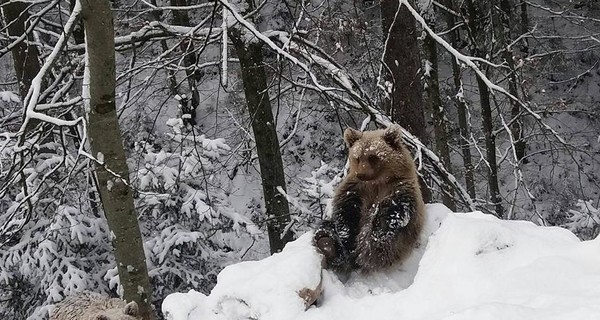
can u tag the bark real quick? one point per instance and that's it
(181, 18)
(78, 32)
(256, 92)
(171, 79)
(25, 54)
(461, 107)
(490, 145)
(476, 31)
(105, 139)
(439, 117)
(515, 111)
(524, 28)
(402, 63)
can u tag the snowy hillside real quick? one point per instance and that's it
(468, 266)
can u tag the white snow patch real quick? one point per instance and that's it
(468, 266)
(265, 289)
(9, 96)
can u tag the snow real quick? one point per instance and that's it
(467, 266)
(9, 96)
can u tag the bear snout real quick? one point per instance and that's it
(365, 176)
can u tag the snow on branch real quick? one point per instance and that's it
(250, 27)
(347, 85)
(470, 62)
(155, 30)
(224, 55)
(346, 82)
(38, 17)
(180, 8)
(30, 102)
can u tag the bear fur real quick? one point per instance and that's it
(377, 210)
(94, 306)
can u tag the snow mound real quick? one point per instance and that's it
(467, 266)
(265, 289)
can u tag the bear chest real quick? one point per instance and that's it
(371, 195)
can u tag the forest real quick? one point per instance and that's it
(147, 144)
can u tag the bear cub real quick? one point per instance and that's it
(377, 210)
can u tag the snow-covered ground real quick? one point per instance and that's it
(468, 266)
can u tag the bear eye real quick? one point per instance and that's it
(372, 158)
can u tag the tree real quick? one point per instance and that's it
(477, 32)
(503, 32)
(459, 101)
(112, 171)
(25, 53)
(256, 92)
(401, 65)
(181, 18)
(438, 113)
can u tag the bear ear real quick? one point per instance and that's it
(393, 136)
(131, 309)
(351, 136)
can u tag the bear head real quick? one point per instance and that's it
(379, 156)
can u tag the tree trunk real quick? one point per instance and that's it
(25, 54)
(524, 28)
(490, 145)
(401, 69)
(476, 30)
(438, 116)
(461, 107)
(256, 91)
(402, 62)
(171, 78)
(181, 18)
(515, 111)
(106, 143)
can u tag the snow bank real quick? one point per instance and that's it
(468, 266)
(265, 289)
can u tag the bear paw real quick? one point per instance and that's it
(389, 218)
(324, 241)
(326, 246)
(328, 243)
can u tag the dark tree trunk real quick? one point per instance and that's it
(490, 145)
(524, 28)
(171, 79)
(439, 117)
(476, 33)
(401, 69)
(461, 107)
(25, 54)
(256, 92)
(181, 18)
(105, 140)
(515, 111)
(402, 63)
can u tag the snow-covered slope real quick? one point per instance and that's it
(468, 266)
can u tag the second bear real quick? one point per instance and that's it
(377, 210)
(94, 306)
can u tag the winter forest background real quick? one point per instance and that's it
(231, 115)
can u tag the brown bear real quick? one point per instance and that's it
(377, 210)
(94, 306)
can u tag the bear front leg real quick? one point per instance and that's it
(391, 216)
(336, 239)
(388, 235)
